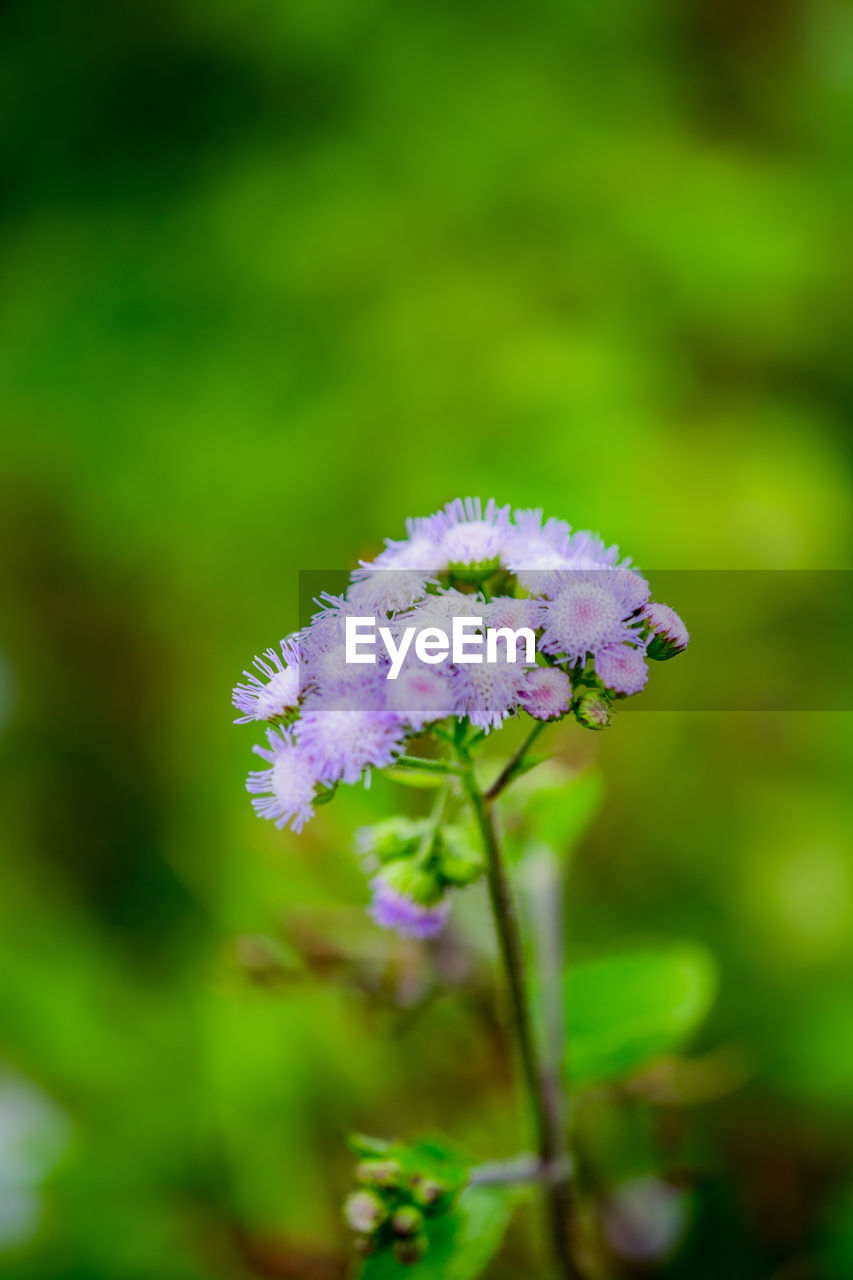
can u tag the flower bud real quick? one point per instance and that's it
(426, 1191)
(407, 879)
(407, 1221)
(409, 1251)
(364, 1212)
(667, 633)
(592, 709)
(379, 1173)
(459, 871)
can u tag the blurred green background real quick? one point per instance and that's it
(273, 278)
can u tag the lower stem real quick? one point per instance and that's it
(544, 1088)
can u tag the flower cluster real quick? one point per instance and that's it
(400, 1191)
(416, 862)
(330, 721)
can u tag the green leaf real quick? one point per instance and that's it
(462, 1242)
(625, 1010)
(366, 1147)
(560, 817)
(555, 806)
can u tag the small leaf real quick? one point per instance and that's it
(625, 1010)
(461, 1242)
(362, 1145)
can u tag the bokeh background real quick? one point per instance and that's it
(273, 278)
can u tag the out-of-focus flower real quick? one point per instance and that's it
(392, 910)
(364, 1212)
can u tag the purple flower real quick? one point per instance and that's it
(342, 740)
(621, 668)
(284, 793)
(631, 587)
(381, 590)
(487, 692)
(440, 610)
(669, 635)
(510, 611)
(418, 550)
(421, 695)
(474, 533)
(534, 546)
(393, 910)
(586, 612)
(546, 693)
(279, 693)
(587, 550)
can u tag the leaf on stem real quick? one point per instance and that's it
(627, 1009)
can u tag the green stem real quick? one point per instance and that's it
(428, 766)
(510, 769)
(543, 1087)
(424, 850)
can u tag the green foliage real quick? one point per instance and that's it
(625, 1010)
(554, 807)
(274, 278)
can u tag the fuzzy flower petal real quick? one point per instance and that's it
(421, 695)
(586, 613)
(284, 793)
(546, 693)
(621, 668)
(377, 590)
(474, 533)
(342, 741)
(275, 695)
(488, 692)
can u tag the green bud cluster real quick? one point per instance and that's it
(422, 861)
(391, 1206)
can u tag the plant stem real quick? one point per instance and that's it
(544, 1088)
(427, 765)
(508, 772)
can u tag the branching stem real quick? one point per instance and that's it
(543, 1086)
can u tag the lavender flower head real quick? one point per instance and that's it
(277, 694)
(573, 626)
(284, 792)
(393, 910)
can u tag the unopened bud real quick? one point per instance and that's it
(459, 871)
(410, 1251)
(364, 1212)
(592, 709)
(426, 1191)
(378, 1173)
(413, 882)
(668, 634)
(407, 1221)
